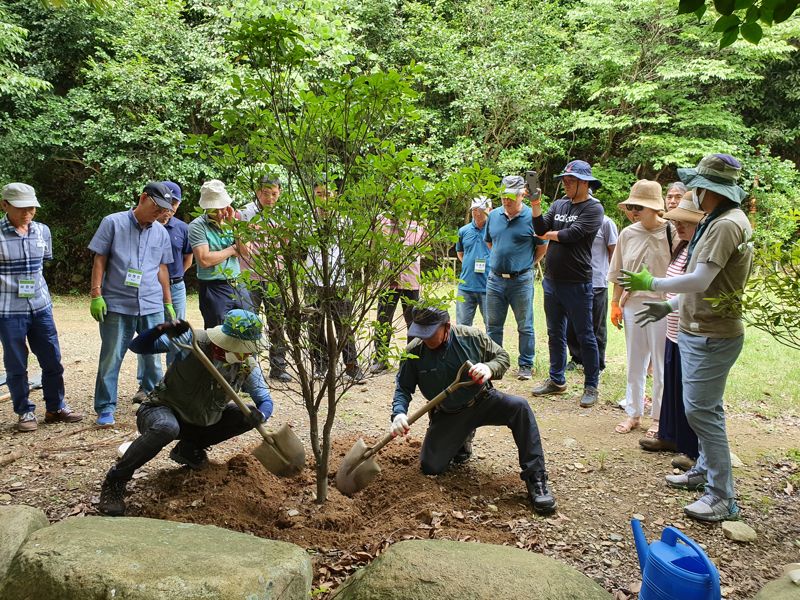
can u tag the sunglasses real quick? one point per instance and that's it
(632, 207)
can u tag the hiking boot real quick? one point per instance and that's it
(281, 375)
(657, 445)
(63, 415)
(355, 375)
(465, 452)
(105, 420)
(190, 455)
(524, 373)
(590, 396)
(27, 422)
(712, 508)
(139, 397)
(378, 367)
(549, 387)
(682, 462)
(539, 494)
(690, 480)
(112, 497)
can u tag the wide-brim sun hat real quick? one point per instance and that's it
(20, 195)
(582, 170)
(685, 211)
(645, 193)
(240, 332)
(718, 173)
(213, 195)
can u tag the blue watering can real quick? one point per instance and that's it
(672, 570)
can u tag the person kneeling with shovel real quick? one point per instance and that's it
(441, 349)
(188, 404)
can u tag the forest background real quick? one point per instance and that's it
(95, 102)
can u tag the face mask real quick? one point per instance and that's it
(698, 202)
(231, 358)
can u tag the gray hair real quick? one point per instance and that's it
(679, 185)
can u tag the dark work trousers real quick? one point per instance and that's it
(275, 310)
(341, 310)
(600, 324)
(447, 432)
(672, 425)
(387, 304)
(217, 297)
(159, 426)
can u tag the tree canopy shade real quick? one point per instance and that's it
(741, 17)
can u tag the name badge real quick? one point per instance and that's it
(480, 265)
(27, 288)
(133, 278)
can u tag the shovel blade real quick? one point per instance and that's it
(350, 480)
(286, 457)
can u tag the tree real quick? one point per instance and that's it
(328, 251)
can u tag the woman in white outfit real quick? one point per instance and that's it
(648, 241)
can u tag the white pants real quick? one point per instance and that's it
(644, 345)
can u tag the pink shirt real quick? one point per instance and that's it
(414, 234)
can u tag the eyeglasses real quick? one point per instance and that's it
(632, 207)
(160, 208)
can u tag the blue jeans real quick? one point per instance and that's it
(518, 294)
(565, 300)
(706, 363)
(40, 331)
(116, 332)
(178, 292)
(465, 311)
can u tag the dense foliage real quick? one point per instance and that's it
(97, 101)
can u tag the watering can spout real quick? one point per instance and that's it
(641, 543)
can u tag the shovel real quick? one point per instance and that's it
(359, 468)
(281, 452)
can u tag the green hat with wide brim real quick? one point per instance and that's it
(718, 173)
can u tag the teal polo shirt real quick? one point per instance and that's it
(471, 243)
(513, 240)
(205, 232)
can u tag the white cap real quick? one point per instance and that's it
(214, 195)
(20, 195)
(482, 202)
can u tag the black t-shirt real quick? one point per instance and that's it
(570, 258)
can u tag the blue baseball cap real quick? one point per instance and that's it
(174, 188)
(581, 170)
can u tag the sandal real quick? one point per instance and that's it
(627, 425)
(652, 432)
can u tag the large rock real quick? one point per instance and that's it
(95, 558)
(421, 570)
(780, 589)
(16, 524)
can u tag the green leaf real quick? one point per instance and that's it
(729, 37)
(726, 22)
(784, 10)
(700, 12)
(724, 7)
(689, 6)
(742, 4)
(752, 32)
(752, 14)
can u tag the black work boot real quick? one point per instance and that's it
(539, 494)
(112, 497)
(465, 452)
(185, 453)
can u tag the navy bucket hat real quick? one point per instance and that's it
(583, 171)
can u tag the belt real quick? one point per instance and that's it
(483, 393)
(174, 280)
(512, 275)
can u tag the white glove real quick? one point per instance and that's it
(652, 312)
(400, 425)
(481, 373)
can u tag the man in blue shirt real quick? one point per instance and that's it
(26, 311)
(474, 256)
(515, 250)
(130, 289)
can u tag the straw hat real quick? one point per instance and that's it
(685, 211)
(645, 193)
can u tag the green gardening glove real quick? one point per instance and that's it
(170, 311)
(637, 282)
(98, 309)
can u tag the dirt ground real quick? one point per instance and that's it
(600, 481)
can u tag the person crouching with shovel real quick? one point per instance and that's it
(189, 404)
(441, 349)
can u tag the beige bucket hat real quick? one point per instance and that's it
(645, 193)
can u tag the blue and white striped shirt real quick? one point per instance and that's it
(22, 258)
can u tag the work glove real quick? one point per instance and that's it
(169, 311)
(175, 328)
(256, 417)
(480, 373)
(400, 425)
(637, 282)
(616, 315)
(652, 312)
(98, 309)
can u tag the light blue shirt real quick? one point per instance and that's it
(606, 236)
(22, 259)
(127, 245)
(471, 243)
